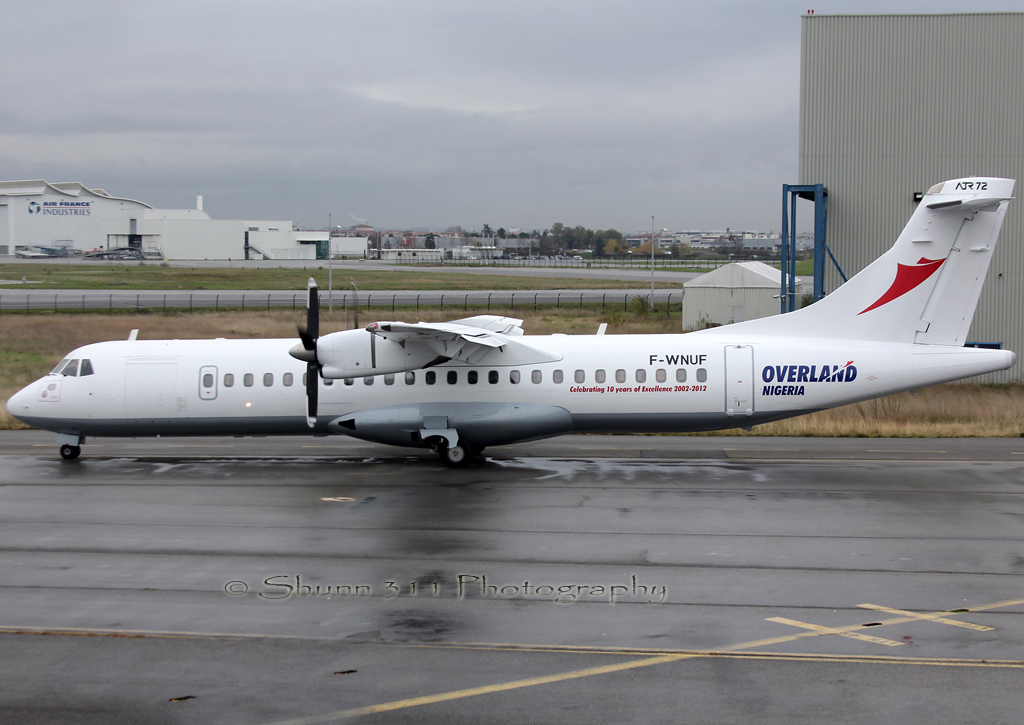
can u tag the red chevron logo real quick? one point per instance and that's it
(908, 277)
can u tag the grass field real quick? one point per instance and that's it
(30, 345)
(154, 276)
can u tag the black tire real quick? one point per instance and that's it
(456, 456)
(69, 452)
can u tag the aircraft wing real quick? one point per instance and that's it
(482, 340)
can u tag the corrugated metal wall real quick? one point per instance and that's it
(725, 305)
(892, 104)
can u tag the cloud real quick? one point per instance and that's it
(414, 114)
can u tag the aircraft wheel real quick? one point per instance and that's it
(69, 452)
(456, 457)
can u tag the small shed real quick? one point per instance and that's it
(732, 293)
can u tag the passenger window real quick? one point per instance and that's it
(348, 381)
(641, 375)
(247, 380)
(680, 375)
(492, 377)
(410, 378)
(208, 380)
(303, 379)
(536, 376)
(71, 369)
(702, 375)
(86, 368)
(453, 377)
(389, 379)
(229, 380)
(513, 377)
(660, 375)
(368, 380)
(556, 376)
(579, 376)
(599, 376)
(329, 383)
(620, 376)
(287, 379)
(472, 377)
(268, 379)
(431, 377)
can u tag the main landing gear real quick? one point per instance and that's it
(459, 455)
(69, 452)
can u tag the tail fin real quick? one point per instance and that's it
(925, 288)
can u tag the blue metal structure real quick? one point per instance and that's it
(819, 195)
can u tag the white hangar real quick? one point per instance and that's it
(38, 214)
(732, 293)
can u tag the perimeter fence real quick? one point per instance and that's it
(195, 301)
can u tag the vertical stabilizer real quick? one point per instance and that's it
(925, 288)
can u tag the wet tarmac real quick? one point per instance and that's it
(597, 578)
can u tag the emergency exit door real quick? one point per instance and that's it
(739, 380)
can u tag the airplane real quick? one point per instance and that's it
(460, 386)
(41, 252)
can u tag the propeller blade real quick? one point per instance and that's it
(308, 341)
(312, 391)
(312, 313)
(309, 336)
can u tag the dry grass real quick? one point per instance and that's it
(955, 410)
(30, 345)
(117, 276)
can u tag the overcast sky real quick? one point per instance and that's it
(418, 113)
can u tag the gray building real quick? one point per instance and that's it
(892, 104)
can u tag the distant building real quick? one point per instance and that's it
(732, 293)
(38, 214)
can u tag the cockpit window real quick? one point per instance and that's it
(86, 368)
(70, 368)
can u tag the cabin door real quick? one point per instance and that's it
(739, 380)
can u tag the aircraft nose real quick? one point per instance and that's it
(20, 403)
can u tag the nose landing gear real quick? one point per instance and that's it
(70, 445)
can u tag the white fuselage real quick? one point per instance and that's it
(697, 381)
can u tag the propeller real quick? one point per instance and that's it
(306, 351)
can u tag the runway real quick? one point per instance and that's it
(594, 578)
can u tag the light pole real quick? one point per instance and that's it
(355, 306)
(330, 269)
(663, 229)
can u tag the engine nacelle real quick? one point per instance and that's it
(357, 353)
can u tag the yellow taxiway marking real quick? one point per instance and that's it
(831, 630)
(486, 689)
(654, 658)
(694, 654)
(816, 631)
(884, 450)
(760, 449)
(935, 617)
